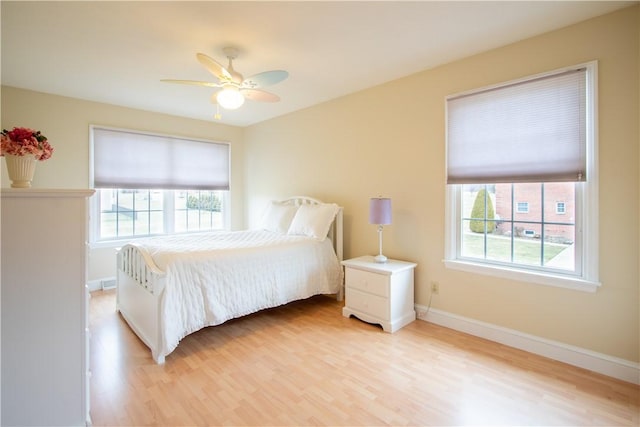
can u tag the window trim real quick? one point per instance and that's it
(586, 219)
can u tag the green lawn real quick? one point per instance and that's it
(525, 250)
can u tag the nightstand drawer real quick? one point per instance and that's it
(371, 304)
(368, 282)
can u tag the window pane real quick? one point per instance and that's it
(181, 199)
(206, 221)
(498, 246)
(156, 212)
(468, 196)
(141, 223)
(478, 202)
(559, 247)
(193, 219)
(141, 198)
(125, 224)
(180, 221)
(109, 224)
(560, 234)
(125, 200)
(559, 202)
(198, 210)
(156, 223)
(218, 221)
(527, 247)
(528, 202)
(156, 201)
(519, 242)
(503, 201)
(472, 244)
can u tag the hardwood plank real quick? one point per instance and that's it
(306, 364)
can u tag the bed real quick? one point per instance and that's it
(171, 286)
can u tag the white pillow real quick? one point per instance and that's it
(278, 217)
(314, 220)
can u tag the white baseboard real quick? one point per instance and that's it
(102, 284)
(94, 285)
(601, 363)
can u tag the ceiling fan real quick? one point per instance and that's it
(232, 88)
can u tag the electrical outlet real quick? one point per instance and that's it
(435, 287)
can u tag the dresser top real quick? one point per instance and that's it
(367, 263)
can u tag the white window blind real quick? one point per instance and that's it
(528, 131)
(126, 159)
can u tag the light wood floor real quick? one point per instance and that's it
(305, 364)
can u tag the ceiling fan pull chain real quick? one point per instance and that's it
(217, 115)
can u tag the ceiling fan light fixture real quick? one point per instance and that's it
(230, 98)
(231, 88)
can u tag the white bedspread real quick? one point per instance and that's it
(217, 276)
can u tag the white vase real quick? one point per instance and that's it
(20, 169)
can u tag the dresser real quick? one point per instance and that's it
(44, 317)
(379, 293)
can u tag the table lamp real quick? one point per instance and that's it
(380, 214)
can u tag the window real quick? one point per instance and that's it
(561, 208)
(522, 207)
(125, 213)
(522, 180)
(527, 237)
(155, 184)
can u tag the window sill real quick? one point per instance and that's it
(546, 279)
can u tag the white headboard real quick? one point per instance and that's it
(335, 232)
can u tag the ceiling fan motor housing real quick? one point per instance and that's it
(232, 53)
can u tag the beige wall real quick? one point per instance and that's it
(65, 122)
(390, 140)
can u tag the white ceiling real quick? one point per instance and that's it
(117, 52)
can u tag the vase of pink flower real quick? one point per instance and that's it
(21, 148)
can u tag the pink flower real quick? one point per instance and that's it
(23, 142)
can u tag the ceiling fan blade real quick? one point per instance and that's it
(192, 82)
(265, 78)
(259, 95)
(213, 66)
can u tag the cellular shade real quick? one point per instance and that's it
(530, 131)
(124, 159)
(380, 211)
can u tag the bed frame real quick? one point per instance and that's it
(140, 284)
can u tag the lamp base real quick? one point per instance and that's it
(380, 258)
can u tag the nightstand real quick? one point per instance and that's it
(379, 293)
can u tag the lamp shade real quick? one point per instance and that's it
(230, 98)
(380, 211)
